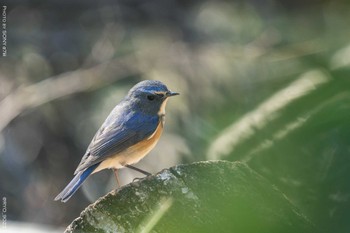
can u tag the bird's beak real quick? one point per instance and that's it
(170, 93)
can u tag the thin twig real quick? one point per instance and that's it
(55, 87)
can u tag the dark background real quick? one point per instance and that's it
(265, 82)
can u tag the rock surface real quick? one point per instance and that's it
(213, 196)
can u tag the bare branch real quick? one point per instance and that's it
(62, 85)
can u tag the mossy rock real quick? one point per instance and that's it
(212, 196)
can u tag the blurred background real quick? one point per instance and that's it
(263, 82)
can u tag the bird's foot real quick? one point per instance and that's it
(136, 179)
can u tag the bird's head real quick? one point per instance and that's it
(150, 96)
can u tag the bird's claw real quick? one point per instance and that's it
(136, 179)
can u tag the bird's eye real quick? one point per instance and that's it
(150, 97)
(161, 95)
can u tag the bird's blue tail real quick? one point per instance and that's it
(75, 183)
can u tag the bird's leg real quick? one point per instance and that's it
(116, 176)
(138, 169)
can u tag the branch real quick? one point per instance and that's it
(62, 85)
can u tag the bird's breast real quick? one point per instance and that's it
(134, 153)
(142, 148)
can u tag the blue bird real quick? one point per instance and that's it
(128, 134)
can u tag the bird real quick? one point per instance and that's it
(128, 134)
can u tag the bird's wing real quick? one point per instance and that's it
(117, 135)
